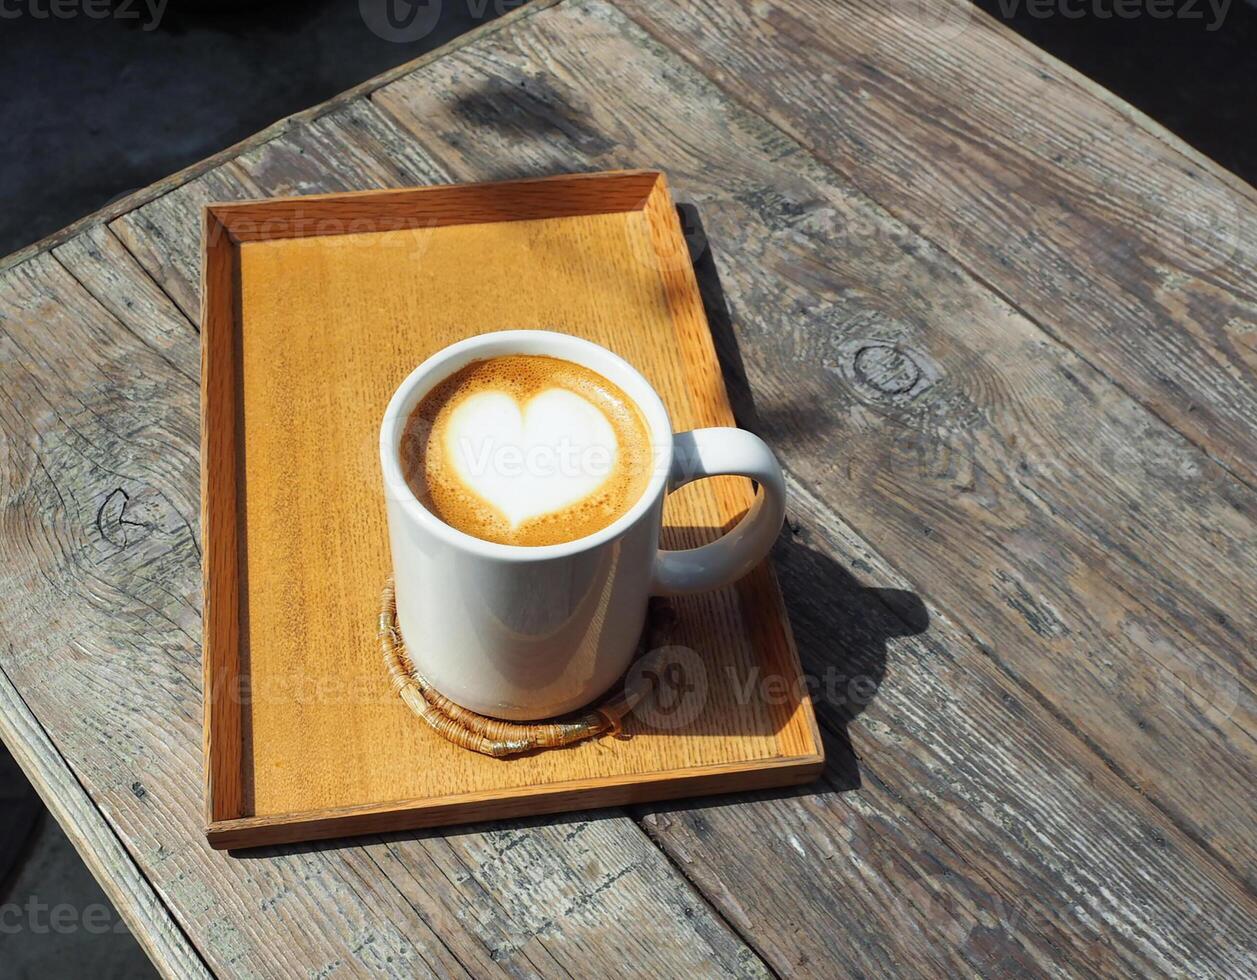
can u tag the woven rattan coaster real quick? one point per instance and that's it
(492, 736)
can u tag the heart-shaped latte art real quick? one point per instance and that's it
(532, 460)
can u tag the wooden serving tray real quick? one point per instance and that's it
(314, 309)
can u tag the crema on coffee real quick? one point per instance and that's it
(526, 450)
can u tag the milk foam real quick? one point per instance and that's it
(532, 459)
(526, 450)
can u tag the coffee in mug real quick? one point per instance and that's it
(526, 600)
(526, 450)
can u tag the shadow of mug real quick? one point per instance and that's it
(842, 628)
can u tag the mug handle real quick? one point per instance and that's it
(723, 452)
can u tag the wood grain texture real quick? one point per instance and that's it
(907, 849)
(824, 285)
(1128, 250)
(351, 148)
(99, 440)
(987, 434)
(311, 158)
(160, 235)
(304, 344)
(1052, 777)
(111, 274)
(436, 808)
(223, 559)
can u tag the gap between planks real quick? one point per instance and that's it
(1089, 88)
(174, 307)
(1062, 341)
(147, 916)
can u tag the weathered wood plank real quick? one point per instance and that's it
(806, 284)
(130, 892)
(113, 276)
(165, 235)
(1130, 252)
(353, 148)
(113, 551)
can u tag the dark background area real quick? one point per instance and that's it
(93, 109)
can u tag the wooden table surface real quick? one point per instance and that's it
(1001, 329)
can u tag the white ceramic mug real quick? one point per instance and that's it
(531, 632)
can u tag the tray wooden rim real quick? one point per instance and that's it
(459, 808)
(225, 227)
